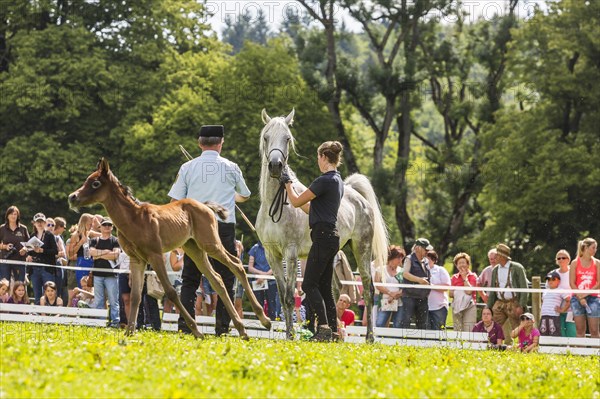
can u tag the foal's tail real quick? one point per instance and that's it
(380, 234)
(219, 209)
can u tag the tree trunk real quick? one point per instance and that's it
(333, 103)
(403, 220)
(3, 53)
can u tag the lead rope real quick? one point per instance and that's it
(276, 208)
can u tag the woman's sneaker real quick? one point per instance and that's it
(323, 334)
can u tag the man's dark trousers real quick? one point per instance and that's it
(191, 280)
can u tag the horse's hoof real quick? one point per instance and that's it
(197, 334)
(129, 332)
(245, 337)
(266, 323)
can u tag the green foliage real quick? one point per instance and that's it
(543, 194)
(91, 363)
(268, 77)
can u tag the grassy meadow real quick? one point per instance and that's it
(64, 361)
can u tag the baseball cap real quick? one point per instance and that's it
(39, 216)
(424, 242)
(106, 221)
(552, 274)
(527, 316)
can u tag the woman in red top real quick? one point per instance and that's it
(584, 275)
(464, 311)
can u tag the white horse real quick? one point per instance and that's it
(359, 220)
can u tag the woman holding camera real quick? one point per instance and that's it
(12, 233)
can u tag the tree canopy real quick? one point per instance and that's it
(473, 131)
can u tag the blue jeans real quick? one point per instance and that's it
(38, 278)
(270, 295)
(17, 271)
(593, 303)
(437, 318)
(384, 316)
(86, 263)
(111, 285)
(417, 307)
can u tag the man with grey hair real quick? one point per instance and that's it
(210, 177)
(485, 277)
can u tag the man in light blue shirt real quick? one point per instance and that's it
(210, 177)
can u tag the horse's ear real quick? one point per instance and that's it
(266, 118)
(290, 118)
(103, 167)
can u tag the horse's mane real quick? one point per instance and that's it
(126, 190)
(276, 127)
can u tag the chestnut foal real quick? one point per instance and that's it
(146, 231)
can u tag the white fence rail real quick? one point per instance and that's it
(354, 334)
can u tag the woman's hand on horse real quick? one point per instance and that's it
(284, 178)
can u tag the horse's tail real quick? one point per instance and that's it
(219, 209)
(380, 234)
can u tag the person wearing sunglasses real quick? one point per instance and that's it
(45, 254)
(567, 324)
(529, 336)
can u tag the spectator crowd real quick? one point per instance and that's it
(101, 281)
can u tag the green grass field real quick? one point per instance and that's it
(61, 361)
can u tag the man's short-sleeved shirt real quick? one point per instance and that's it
(328, 189)
(210, 177)
(260, 258)
(100, 243)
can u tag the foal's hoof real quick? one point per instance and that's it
(129, 331)
(198, 334)
(245, 337)
(266, 323)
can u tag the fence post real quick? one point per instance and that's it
(536, 299)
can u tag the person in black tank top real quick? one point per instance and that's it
(50, 297)
(321, 201)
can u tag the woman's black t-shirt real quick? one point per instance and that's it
(329, 189)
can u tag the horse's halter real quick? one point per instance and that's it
(268, 155)
(280, 199)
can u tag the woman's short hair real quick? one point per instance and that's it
(462, 255)
(433, 256)
(395, 251)
(488, 308)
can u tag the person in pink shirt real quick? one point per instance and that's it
(529, 336)
(464, 311)
(584, 274)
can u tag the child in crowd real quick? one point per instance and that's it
(84, 296)
(19, 294)
(553, 304)
(529, 336)
(4, 285)
(50, 297)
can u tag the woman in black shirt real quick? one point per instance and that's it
(12, 234)
(321, 201)
(45, 254)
